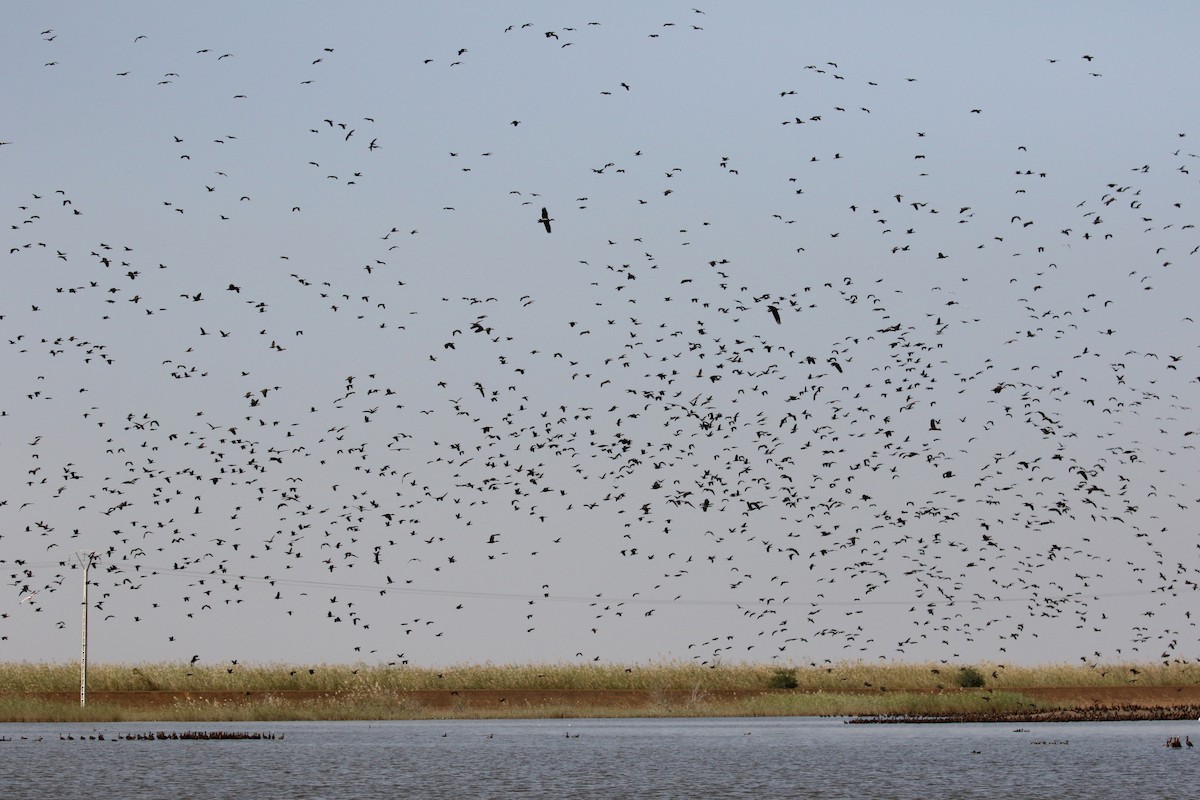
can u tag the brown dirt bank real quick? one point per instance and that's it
(1086, 704)
(1122, 714)
(1079, 703)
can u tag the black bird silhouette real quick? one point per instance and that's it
(546, 220)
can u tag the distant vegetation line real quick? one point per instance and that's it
(24, 677)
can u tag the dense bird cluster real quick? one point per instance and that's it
(867, 370)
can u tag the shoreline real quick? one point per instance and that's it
(1013, 705)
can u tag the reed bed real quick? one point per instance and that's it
(822, 704)
(264, 692)
(24, 677)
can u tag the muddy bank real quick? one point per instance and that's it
(1083, 704)
(1115, 714)
(1046, 704)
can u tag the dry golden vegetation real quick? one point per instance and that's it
(194, 692)
(841, 676)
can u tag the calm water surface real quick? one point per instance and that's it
(729, 757)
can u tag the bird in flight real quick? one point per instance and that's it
(545, 220)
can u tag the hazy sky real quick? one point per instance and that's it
(862, 331)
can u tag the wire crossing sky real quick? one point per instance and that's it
(568, 332)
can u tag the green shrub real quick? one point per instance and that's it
(970, 678)
(783, 679)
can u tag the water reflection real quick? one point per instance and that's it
(795, 757)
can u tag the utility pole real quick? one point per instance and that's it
(85, 558)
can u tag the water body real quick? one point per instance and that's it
(728, 757)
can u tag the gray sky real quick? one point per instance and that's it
(863, 331)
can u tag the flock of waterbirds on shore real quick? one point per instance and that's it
(824, 410)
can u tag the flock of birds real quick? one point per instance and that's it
(850, 405)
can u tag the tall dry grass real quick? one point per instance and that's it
(824, 704)
(670, 675)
